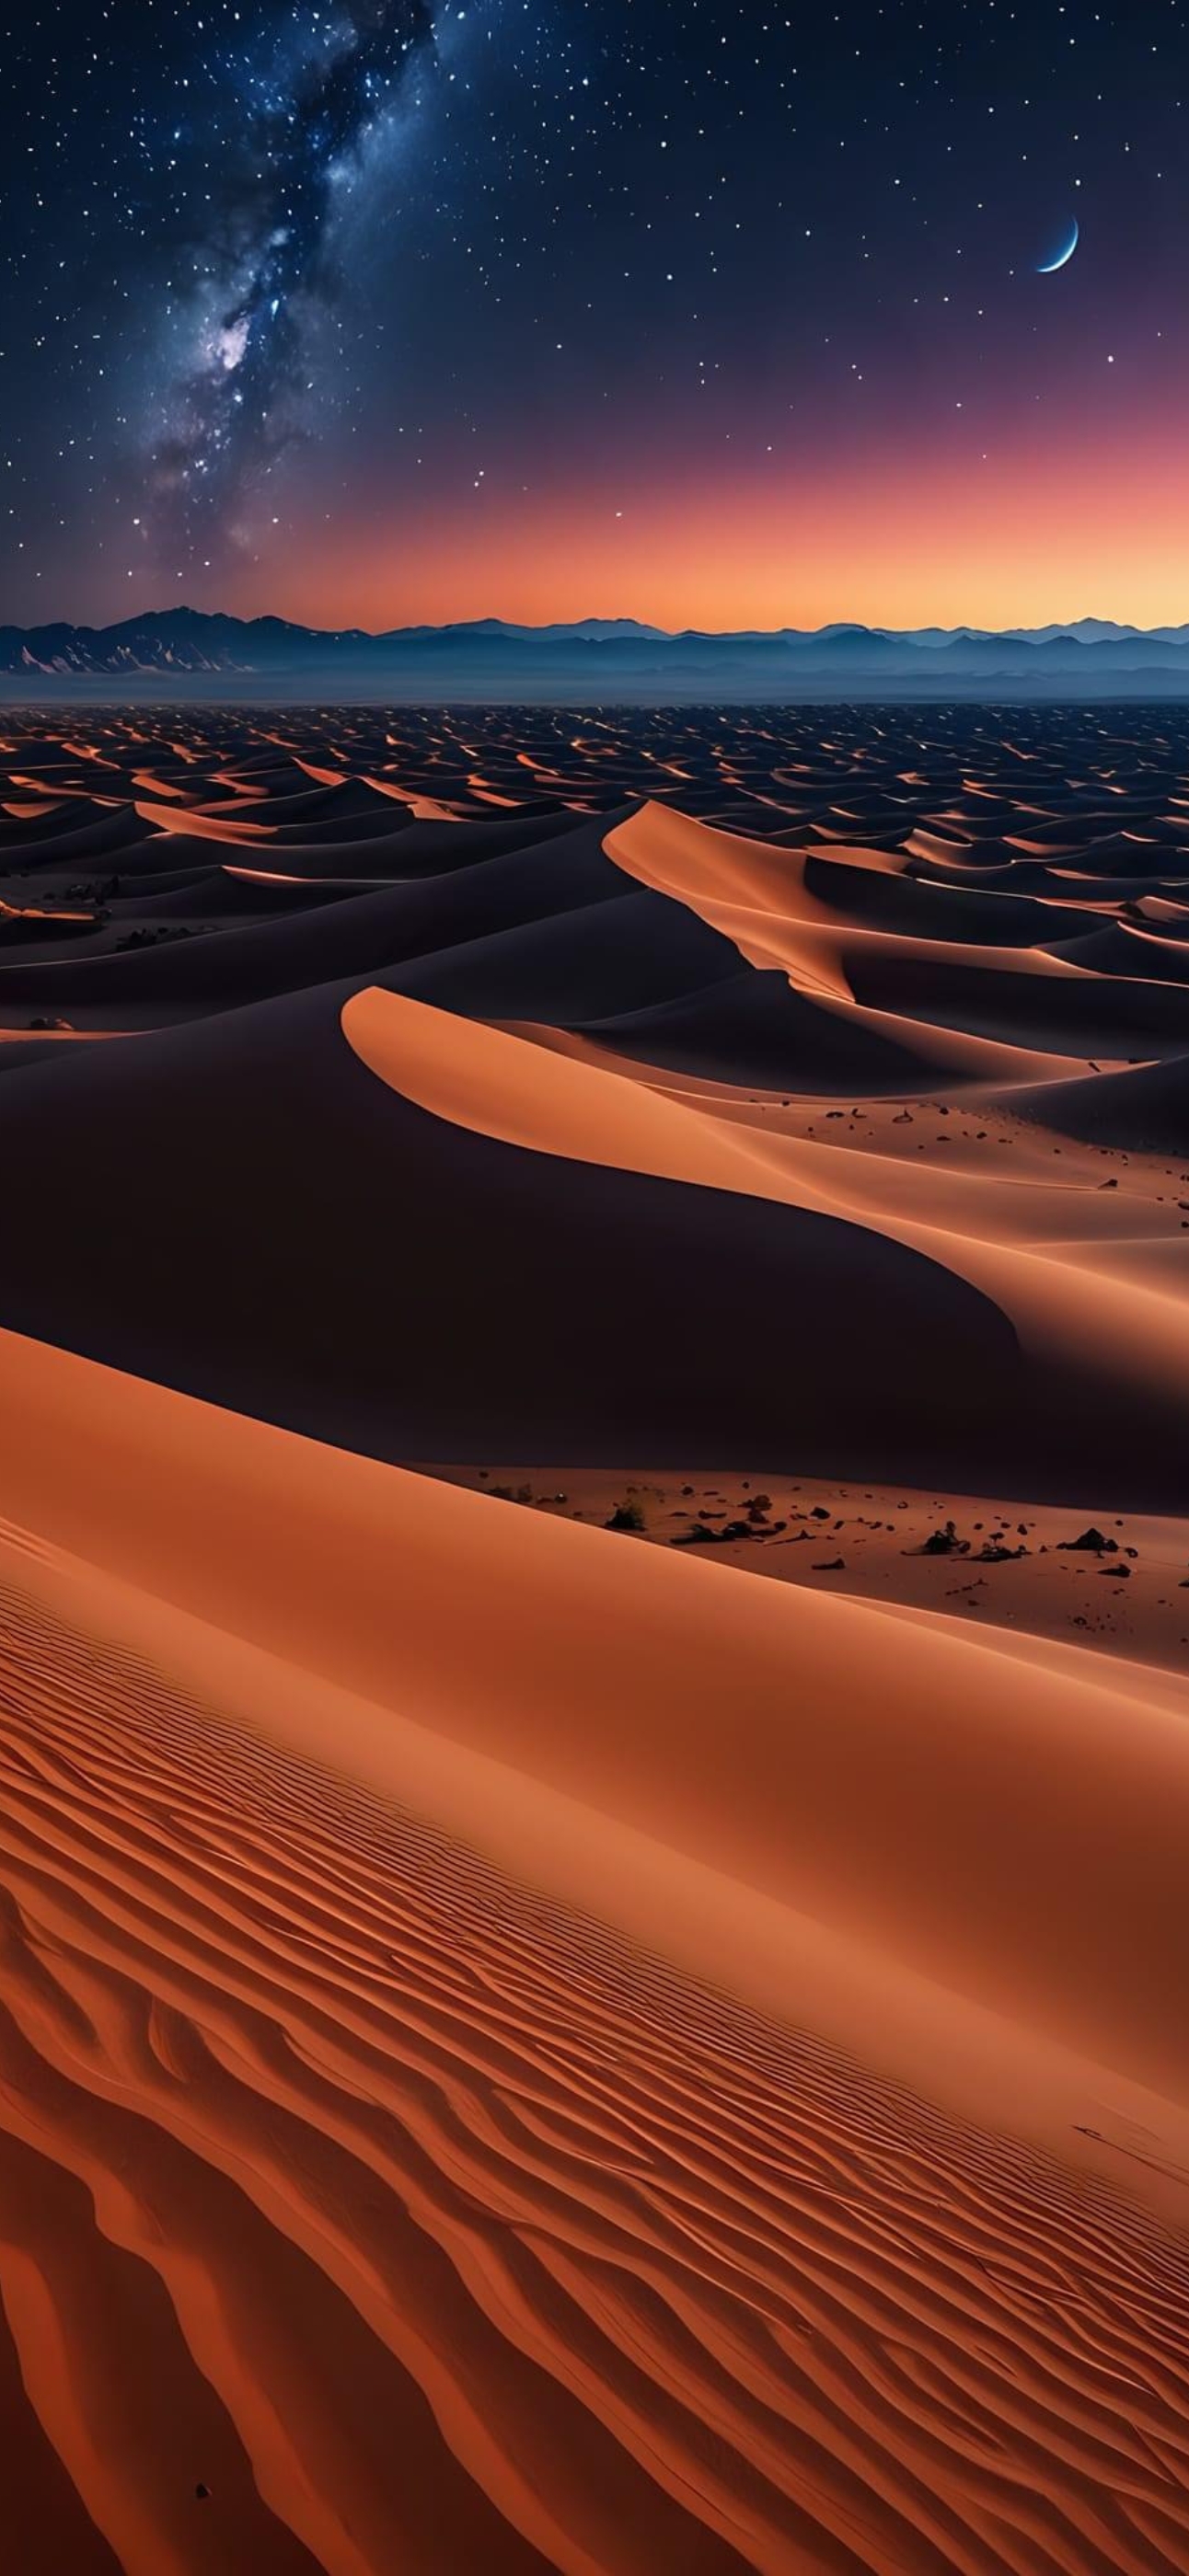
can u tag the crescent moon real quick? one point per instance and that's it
(1049, 267)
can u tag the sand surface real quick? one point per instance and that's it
(558, 2011)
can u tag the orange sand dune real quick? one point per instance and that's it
(435, 2226)
(91, 1461)
(1071, 1314)
(759, 900)
(223, 825)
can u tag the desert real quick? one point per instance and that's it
(594, 1611)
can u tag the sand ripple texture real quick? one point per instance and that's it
(359, 2211)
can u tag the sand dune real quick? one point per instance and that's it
(642, 2049)
(757, 902)
(669, 2238)
(1145, 1106)
(388, 1227)
(379, 927)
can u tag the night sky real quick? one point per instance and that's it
(706, 314)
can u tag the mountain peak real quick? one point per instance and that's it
(594, 658)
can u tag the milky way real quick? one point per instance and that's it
(707, 315)
(264, 270)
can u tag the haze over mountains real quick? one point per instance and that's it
(595, 659)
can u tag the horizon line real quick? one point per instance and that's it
(444, 625)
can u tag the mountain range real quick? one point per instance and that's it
(592, 660)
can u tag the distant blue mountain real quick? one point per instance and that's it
(592, 659)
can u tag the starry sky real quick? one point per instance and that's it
(697, 311)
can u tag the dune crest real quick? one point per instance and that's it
(1074, 1317)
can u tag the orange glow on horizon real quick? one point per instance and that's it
(1020, 539)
